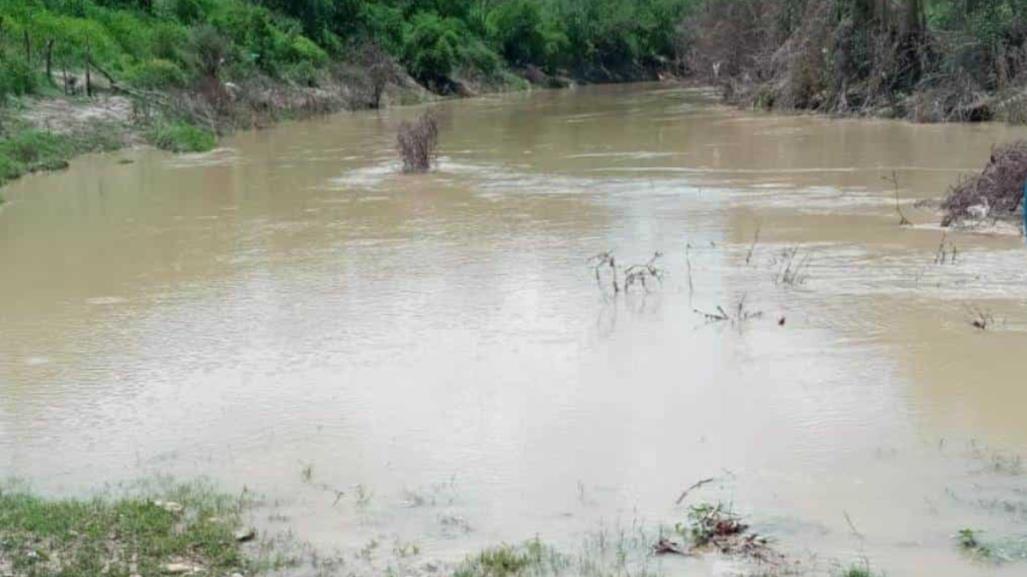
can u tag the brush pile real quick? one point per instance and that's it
(993, 194)
(416, 142)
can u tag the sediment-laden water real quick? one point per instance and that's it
(292, 315)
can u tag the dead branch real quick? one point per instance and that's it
(693, 487)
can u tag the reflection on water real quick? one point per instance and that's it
(290, 300)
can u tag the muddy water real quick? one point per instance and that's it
(436, 346)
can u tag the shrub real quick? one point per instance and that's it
(516, 28)
(17, 78)
(417, 141)
(481, 58)
(182, 137)
(431, 47)
(156, 74)
(303, 73)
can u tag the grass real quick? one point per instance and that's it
(970, 542)
(857, 570)
(24, 150)
(132, 535)
(531, 558)
(30, 150)
(182, 137)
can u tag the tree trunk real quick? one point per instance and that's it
(89, 80)
(49, 60)
(28, 47)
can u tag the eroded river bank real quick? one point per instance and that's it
(427, 360)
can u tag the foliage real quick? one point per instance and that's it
(77, 538)
(530, 558)
(182, 137)
(156, 74)
(431, 47)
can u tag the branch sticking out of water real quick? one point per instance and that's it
(601, 261)
(752, 247)
(638, 273)
(894, 179)
(739, 313)
(980, 319)
(792, 267)
(946, 251)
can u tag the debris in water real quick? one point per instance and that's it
(996, 192)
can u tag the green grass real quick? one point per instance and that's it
(120, 536)
(859, 569)
(531, 558)
(31, 150)
(182, 137)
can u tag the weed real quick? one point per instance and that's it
(182, 137)
(638, 273)
(530, 558)
(969, 541)
(858, 569)
(190, 526)
(980, 319)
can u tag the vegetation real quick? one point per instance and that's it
(927, 60)
(530, 558)
(182, 137)
(417, 141)
(190, 528)
(861, 569)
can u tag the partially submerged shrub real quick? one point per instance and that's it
(997, 191)
(417, 141)
(182, 137)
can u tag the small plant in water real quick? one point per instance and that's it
(858, 569)
(530, 558)
(417, 141)
(970, 542)
(792, 267)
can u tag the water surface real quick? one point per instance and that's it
(436, 347)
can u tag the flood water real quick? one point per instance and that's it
(437, 348)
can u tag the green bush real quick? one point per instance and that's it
(32, 150)
(182, 137)
(516, 29)
(481, 58)
(303, 73)
(17, 78)
(156, 74)
(431, 47)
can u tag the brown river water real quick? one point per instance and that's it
(436, 346)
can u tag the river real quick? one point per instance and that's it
(291, 314)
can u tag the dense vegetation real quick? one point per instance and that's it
(929, 60)
(218, 64)
(174, 44)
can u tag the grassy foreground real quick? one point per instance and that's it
(192, 528)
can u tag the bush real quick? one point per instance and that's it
(182, 137)
(17, 78)
(516, 29)
(481, 58)
(156, 74)
(417, 141)
(32, 150)
(431, 47)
